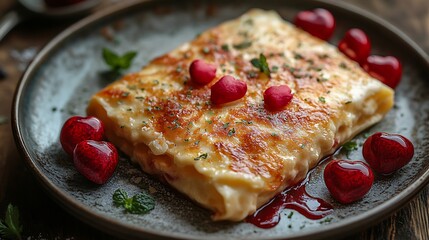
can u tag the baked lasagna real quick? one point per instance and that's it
(235, 157)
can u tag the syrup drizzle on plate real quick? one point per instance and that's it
(296, 198)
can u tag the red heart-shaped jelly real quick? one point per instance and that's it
(348, 181)
(386, 69)
(227, 89)
(387, 152)
(355, 45)
(95, 160)
(77, 129)
(202, 72)
(318, 22)
(277, 97)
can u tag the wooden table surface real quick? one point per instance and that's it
(44, 219)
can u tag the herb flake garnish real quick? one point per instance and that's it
(274, 69)
(117, 62)
(202, 156)
(231, 132)
(326, 220)
(349, 147)
(11, 228)
(261, 64)
(243, 45)
(322, 99)
(225, 47)
(141, 203)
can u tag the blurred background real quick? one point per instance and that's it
(44, 219)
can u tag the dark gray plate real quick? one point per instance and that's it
(67, 72)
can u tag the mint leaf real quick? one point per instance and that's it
(125, 61)
(117, 62)
(261, 64)
(141, 203)
(110, 57)
(256, 63)
(349, 147)
(11, 227)
(120, 197)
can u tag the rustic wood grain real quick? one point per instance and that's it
(44, 219)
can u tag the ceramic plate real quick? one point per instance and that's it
(70, 69)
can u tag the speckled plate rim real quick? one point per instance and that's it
(122, 229)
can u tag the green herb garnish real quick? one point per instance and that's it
(343, 65)
(141, 203)
(261, 64)
(349, 147)
(321, 79)
(10, 227)
(231, 132)
(225, 47)
(202, 156)
(322, 99)
(274, 69)
(326, 220)
(243, 45)
(298, 56)
(116, 62)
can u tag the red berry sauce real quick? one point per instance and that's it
(296, 198)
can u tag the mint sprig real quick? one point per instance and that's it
(116, 62)
(11, 228)
(261, 64)
(349, 147)
(141, 203)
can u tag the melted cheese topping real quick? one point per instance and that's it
(234, 158)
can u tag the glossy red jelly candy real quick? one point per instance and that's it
(386, 152)
(77, 129)
(318, 22)
(277, 97)
(95, 160)
(386, 69)
(227, 89)
(355, 45)
(348, 181)
(201, 72)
